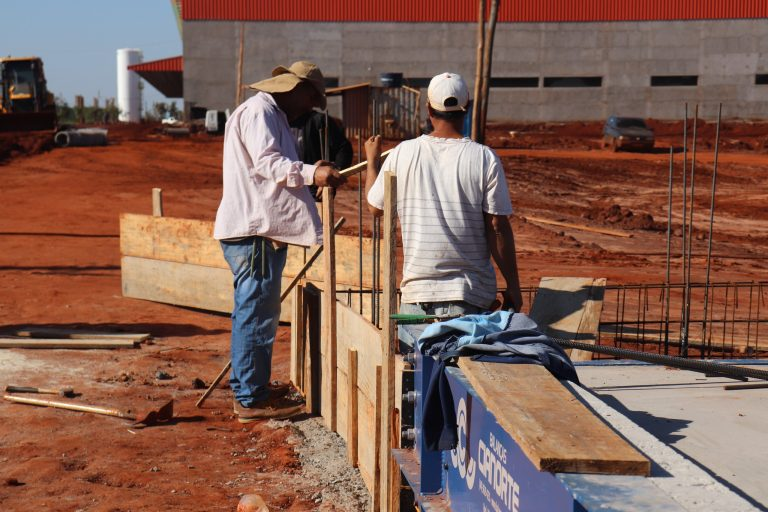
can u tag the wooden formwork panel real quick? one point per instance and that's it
(191, 241)
(177, 261)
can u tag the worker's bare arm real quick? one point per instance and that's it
(501, 243)
(373, 154)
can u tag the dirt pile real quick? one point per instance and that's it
(617, 215)
(16, 144)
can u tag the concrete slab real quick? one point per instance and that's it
(722, 432)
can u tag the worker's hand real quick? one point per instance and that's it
(328, 176)
(512, 300)
(373, 148)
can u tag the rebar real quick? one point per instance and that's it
(690, 235)
(360, 219)
(685, 205)
(671, 361)
(669, 243)
(711, 218)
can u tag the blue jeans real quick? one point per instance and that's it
(255, 315)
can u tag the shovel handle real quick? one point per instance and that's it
(70, 406)
(30, 389)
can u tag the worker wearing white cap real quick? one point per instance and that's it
(453, 205)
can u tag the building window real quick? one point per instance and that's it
(674, 81)
(515, 81)
(496, 81)
(573, 81)
(761, 79)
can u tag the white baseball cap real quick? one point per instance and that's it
(448, 92)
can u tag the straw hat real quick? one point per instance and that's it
(285, 79)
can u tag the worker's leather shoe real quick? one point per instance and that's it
(278, 409)
(276, 389)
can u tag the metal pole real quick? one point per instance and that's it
(711, 219)
(669, 242)
(360, 218)
(690, 238)
(685, 211)
(326, 143)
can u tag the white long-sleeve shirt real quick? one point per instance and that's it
(265, 182)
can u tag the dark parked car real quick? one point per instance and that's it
(627, 133)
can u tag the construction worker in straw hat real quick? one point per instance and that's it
(453, 204)
(265, 205)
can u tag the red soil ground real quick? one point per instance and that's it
(60, 266)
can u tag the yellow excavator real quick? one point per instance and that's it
(25, 103)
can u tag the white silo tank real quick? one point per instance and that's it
(128, 91)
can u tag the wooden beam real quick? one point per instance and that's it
(328, 397)
(73, 334)
(376, 493)
(603, 231)
(388, 342)
(297, 337)
(352, 413)
(55, 343)
(157, 202)
(556, 432)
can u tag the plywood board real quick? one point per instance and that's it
(556, 431)
(569, 308)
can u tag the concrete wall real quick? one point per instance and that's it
(724, 54)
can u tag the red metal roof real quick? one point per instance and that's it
(169, 64)
(466, 10)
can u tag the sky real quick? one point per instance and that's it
(78, 41)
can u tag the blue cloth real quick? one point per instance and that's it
(467, 329)
(502, 337)
(407, 333)
(255, 315)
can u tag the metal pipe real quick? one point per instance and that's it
(711, 217)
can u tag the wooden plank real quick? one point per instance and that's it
(352, 414)
(581, 227)
(297, 336)
(73, 334)
(191, 241)
(54, 343)
(590, 320)
(388, 487)
(170, 239)
(157, 202)
(328, 385)
(376, 493)
(312, 320)
(356, 332)
(183, 284)
(569, 308)
(555, 430)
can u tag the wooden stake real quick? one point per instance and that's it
(478, 96)
(388, 342)
(239, 92)
(352, 407)
(487, 59)
(328, 397)
(376, 491)
(297, 337)
(157, 202)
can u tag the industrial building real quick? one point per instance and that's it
(552, 61)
